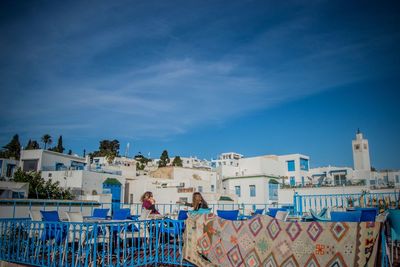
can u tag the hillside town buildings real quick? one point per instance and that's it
(232, 176)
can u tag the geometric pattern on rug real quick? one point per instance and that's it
(237, 225)
(293, 230)
(290, 262)
(235, 257)
(314, 230)
(312, 262)
(219, 252)
(252, 259)
(255, 226)
(270, 261)
(273, 228)
(265, 241)
(339, 230)
(205, 243)
(337, 261)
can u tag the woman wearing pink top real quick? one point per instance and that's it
(148, 202)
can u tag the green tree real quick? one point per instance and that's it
(12, 149)
(177, 161)
(40, 188)
(141, 161)
(59, 147)
(107, 148)
(28, 145)
(164, 159)
(46, 139)
(32, 144)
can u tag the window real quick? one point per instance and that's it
(303, 164)
(302, 180)
(356, 147)
(75, 165)
(59, 166)
(292, 181)
(212, 188)
(397, 179)
(252, 190)
(372, 182)
(237, 190)
(10, 170)
(365, 146)
(290, 165)
(200, 189)
(29, 165)
(340, 179)
(386, 179)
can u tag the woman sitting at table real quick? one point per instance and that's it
(198, 202)
(148, 202)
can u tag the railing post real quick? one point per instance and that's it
(15, 204)
(295, 210)
(301, 204)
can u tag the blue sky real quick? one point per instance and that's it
(204, 77)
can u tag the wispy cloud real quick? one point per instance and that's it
(121, 71)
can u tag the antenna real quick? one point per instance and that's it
(127, 150)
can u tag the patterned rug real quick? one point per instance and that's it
(264, 241)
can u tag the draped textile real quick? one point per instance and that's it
(265, 241)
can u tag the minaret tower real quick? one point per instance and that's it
(361, 153)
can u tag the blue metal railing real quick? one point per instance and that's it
(129, 243)
(20, 208)
(303, 203)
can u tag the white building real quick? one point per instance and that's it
(297, 168)
(194, 163)
(46, 160)
(187, 162)
(332, 175)
(174, 184)
(123, 166)
(361, 153)
(13, 190)
(7, 168)
(257, 179)
(74, 172)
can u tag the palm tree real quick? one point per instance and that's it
(46, 139)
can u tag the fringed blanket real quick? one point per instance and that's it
(264, 241)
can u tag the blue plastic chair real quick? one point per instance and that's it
(172, 227)
(368, 214)
(100, 213)
(346, 216)
(272, 211)
(231, 215)
(258, 211)
(50, 216)
(121, 214)
(182, 215)
(394, 221)
(52, 229)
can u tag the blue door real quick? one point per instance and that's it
(273, 191)
(114, 186)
